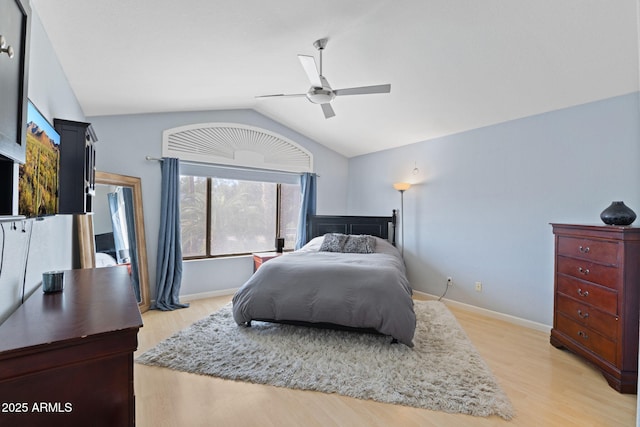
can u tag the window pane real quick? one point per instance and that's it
(193, 215)
(243, 216)
(289, 211)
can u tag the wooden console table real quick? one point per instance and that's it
(66, 359)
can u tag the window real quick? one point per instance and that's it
(231, 217)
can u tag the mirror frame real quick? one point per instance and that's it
(86, 239)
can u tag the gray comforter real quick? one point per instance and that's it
(354, 290)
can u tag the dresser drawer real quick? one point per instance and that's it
(586, 337)
(606, 324)
(587, 293)
(585, 270)
(593, 250)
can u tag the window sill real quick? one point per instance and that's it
(218, 258)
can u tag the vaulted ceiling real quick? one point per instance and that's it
(453, 65)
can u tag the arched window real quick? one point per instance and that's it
(235, 144)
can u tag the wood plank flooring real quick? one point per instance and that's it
(548, 387)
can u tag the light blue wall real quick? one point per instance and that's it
(49, 89)
(51, 242)
(126, 140)
(481, 205)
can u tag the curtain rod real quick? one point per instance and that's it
(190, 162)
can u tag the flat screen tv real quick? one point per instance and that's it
(38, 176)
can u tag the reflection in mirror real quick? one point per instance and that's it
(114, 234)
(114, 230)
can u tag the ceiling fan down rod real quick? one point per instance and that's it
(320, 45)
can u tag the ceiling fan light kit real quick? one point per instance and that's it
(320, 91)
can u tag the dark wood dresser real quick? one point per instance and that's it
(66, 359)
(597, 281)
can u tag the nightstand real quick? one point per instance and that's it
(262, 257)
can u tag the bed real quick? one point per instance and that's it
(347, 276)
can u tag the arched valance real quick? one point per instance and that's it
(235, 144)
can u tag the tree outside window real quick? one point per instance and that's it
(231, 217)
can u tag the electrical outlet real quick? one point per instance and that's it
(449, 281)
(478, 286)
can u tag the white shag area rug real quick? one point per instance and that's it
(442, 372)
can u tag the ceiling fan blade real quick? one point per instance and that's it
(309, 65)
(363, 90)
(327, 110)
(282, 95)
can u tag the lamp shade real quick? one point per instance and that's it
(401, 186)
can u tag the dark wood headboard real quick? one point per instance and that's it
(319, 225)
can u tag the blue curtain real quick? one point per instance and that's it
(169, 267)
(118, 238)
(127, 194)
(307, 206)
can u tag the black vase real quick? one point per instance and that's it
(618, 214)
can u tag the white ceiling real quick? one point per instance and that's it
(453, 65)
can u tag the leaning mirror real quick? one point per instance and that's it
(114, 235)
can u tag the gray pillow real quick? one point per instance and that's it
(362, 244)
(333, 242)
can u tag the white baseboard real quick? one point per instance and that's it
(490, 313)
(202, 295)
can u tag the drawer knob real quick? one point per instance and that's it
(584, 249)
(583, 335)
(584, 271)
(582, 315)
(583, 293)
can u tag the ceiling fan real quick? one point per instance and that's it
(320, 91)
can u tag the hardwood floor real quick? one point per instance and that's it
(547, 386)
